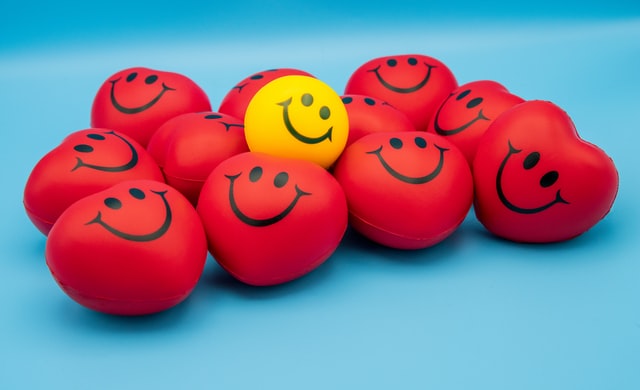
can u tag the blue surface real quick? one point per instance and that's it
(473, 312)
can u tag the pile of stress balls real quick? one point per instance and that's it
(268, 183)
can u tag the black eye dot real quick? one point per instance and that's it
(395, 143)
(325, 113)
(132, 76)
(82, 148)
(412, 61)
(281, 179)
(256, 77)
(463, 94)
(113, 203)
(255, 174)
(307, 99)
(347, 99)
(151, 79)
(421, 142)
(531, 160)
(97, 137)
(549, 178)
(213, 116)
(136, 193)
(392, 62)
(369, 101)
(474, 102)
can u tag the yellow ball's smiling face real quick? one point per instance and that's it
(297, 117)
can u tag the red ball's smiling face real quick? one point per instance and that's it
(414, 84)
(85, 162)
(136, 101)
(536, 180)
(271, 219)
(468, 111)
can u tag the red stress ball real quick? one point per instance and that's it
(536, 180)
(135, 248)
(270, 219)
(413, 83)
(405, 190)
(136, 101)
(467, 112)
(87, 161)
(188, 147)
(370, 115)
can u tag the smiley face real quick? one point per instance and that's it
(413, 83)
(420, 143)
(135, 248)
(467, 112)
(235, 102)
(279, 181)
(138, 194)
(136, 101)
(370, 115)
(297, 117)
(471, 104)
(97, 137)
(149, 81)
(536, 180)
(547, 180)
(306, 100)
(276, 218)
(87, 161)
(413, 66)
(422, 180)
(189, 146)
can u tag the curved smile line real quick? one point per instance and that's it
(295, 133)
(132, 162)
(135, 110)
(260, 222)
(139, 237)
(409, 179)
(393, 88)
(442, 131)
(504, 199)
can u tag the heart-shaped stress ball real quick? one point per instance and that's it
(405, 190)
(85, 162)
(271, 219)
(536, 180)
(136, 101)
(135, 248)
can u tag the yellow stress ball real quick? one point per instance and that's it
(297, 117)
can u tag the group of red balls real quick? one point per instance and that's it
(132, 205)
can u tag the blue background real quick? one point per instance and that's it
(472, 312)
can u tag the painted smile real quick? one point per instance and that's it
(409, 179)
(507, 203)
(260, 222)
(87, 148)
(135, 110)
(295, 133)
(457, 130)
(394, 88)
(139, 237)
